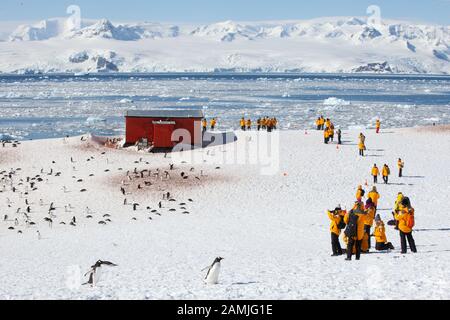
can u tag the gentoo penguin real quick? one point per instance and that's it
(95, 272)
(212, 276)
(39, 235)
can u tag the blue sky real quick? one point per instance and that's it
(434, 11)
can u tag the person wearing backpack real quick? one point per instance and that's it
(354, 231)
(336, 217)
(405, 218)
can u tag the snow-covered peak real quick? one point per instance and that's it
(42, 30)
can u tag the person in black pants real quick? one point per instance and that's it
(353, 243)
(336, 245)
(355, 229)
(335, 217)
(404, 217)
(412, 244)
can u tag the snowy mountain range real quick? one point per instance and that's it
(342, 44)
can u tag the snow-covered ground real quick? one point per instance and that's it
(271, 230)
(335, 44)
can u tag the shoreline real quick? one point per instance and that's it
(437, 128)
(250, 74)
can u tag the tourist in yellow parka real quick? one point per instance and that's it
(375, 173)
(357, 239)
(326, 136)
(375, 196)
(249, 124)
(362, 148)
(401, 166)
(242, 123)
(360, 193)
(386, 172)
(405, 218)
(368, 223)
(380, 237)
(322, 123)
(336, 217)
(213, 124)
(318, 123)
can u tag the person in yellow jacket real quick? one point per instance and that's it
(362, 138)
(368, 223)
(204, 125)
(375, 173)
(331, 129)
(259, 124)
(249, 124)
(378, 125)
(381, 243)
(360, 192)
(362, 148)
(336, 217)
(375, 196)
(405, 218)
(328, 124)
(242, 124)
(398, 202)
(400, 165)
(213, 124)
(326, 136)
(386, 172)
(318, 123)
(322, 123)
(355, 233)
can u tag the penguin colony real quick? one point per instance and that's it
(19, 213)
(22, 213)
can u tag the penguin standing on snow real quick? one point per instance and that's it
(212, 276)
(95, 272)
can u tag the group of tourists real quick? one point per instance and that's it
(356, 225)
(212, 123)
(386, 171)
(329, 131)
(266, 123)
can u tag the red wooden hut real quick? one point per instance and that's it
(155, 127)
